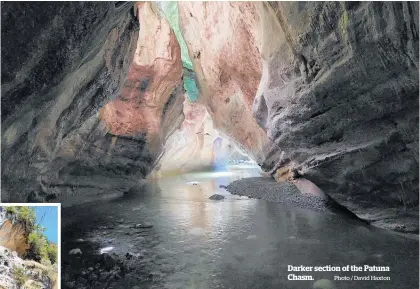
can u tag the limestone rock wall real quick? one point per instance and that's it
(61, 62)
(339, 95)
(149, 90)
(334, 85)
(196, 144)
(222, 39)
(34, 273)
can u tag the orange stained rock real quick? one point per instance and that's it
(223, 40)
(14, 237)
(154, 73)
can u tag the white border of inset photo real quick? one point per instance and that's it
(58, 205)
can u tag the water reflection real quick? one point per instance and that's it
(243, 243)
(192, 207)
(106, 250)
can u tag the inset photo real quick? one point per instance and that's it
(30, 246)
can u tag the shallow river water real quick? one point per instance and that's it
(236, 242)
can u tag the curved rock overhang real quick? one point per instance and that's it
(324, 90)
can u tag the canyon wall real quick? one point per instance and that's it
(334, 85)
(222, 39)
(339, 95)
(197, 145)
(150, 89)
(327, 91)
(61, 62)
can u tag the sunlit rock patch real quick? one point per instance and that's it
(155, 72)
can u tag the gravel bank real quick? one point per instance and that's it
(287, 193)
(269, 190)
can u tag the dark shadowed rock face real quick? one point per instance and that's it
(339, 95)
(60, 63)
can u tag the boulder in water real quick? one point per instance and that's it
(216, 197)
(76, 251)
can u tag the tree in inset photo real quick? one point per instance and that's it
(28, 247)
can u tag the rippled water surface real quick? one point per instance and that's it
(239, 242)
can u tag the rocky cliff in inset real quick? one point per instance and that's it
(20, 245)
(16, 273)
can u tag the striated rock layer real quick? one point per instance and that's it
(93, 120)
(61, 62)
(339, 95)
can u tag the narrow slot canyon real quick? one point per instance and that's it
(214, 144)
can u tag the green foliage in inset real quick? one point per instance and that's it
(19, 276)
(23, 214)
(52, 251)
(11, 210)
(38, 246)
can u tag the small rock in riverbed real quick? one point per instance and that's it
(108, 260)
(216, 197)
(76, 251)
(93, 277)
(117, 276)
(71, 284)
(143, 226)
(104, 276)
(130, 255)
(223, 187)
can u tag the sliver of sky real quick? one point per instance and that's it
(47, 217)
